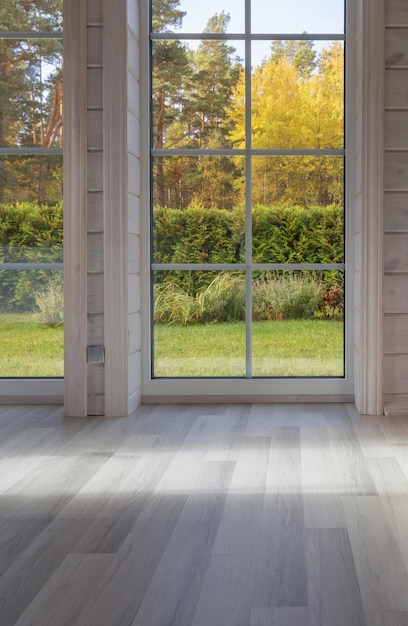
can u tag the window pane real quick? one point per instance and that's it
(31, 179)
(193, 87)
(298, 95)
(198, 235)
(39, 15)
(206, 181)
(298, 327)
(31, 93)
(296, 183)
(191, 17)
(297, 16)
(199, 327)
(31, 323)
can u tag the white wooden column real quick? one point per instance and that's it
(115, 206)
(75, 218)
(370, 258)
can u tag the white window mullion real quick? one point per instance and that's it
(248, 190)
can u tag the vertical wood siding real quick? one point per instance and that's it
(396, 207)
(108, 216)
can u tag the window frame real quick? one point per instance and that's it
(31, 388)
(285, 389)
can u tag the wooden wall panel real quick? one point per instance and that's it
(396, 252)
(396, 207)
(396, 130)
(396, 171)
(133, 55)
(133, 214)
(95, 212)
(395, 373)
(133, 15)
(115, 207)
(95, 294)
(95, 171)
(134, 174)
(396, 47)
(396, 334)
(96, 405)
(75, 219)
(95, 83)
(396, 12)
(135, 333)
(96, 335)
(95, 253)
(96, 289)
(96, 379)
(134, 290)
(95, 12)
(134, 254)
(133, 130)
(95, 46)
(396, 88)
(135, 372)
(396, 212)
(95, 129)
(396, 293)
(134, 94)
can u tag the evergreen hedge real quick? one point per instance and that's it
(281, 234)
(30, 233)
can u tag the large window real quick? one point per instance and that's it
(31, 141)
(248, 189)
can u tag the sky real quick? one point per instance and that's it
(268, 16)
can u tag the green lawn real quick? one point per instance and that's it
(27, 349)
(286, 348)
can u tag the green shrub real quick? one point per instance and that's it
(30, 233)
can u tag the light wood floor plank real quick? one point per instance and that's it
(178, 577)
(320, 487)
(31, 570)
(16, 534)
(392, 484)
(287, 616)
(252, 515)
(381, 573)
(389, 618)
(227, 593)
(281, 578)
(334, 594)
(63, 597)
(241, 522)
(51, 485)
(350, 470)
(129, 576)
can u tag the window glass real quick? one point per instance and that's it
(247, 189)
(31, 180)
(186, 16)
(297, 16)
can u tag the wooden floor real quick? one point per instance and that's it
(252, 515)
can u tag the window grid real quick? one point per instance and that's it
(37, 151)
(248, 267)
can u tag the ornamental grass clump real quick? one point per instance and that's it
(286, 297)
(49, 305)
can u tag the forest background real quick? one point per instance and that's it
(198, 102)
